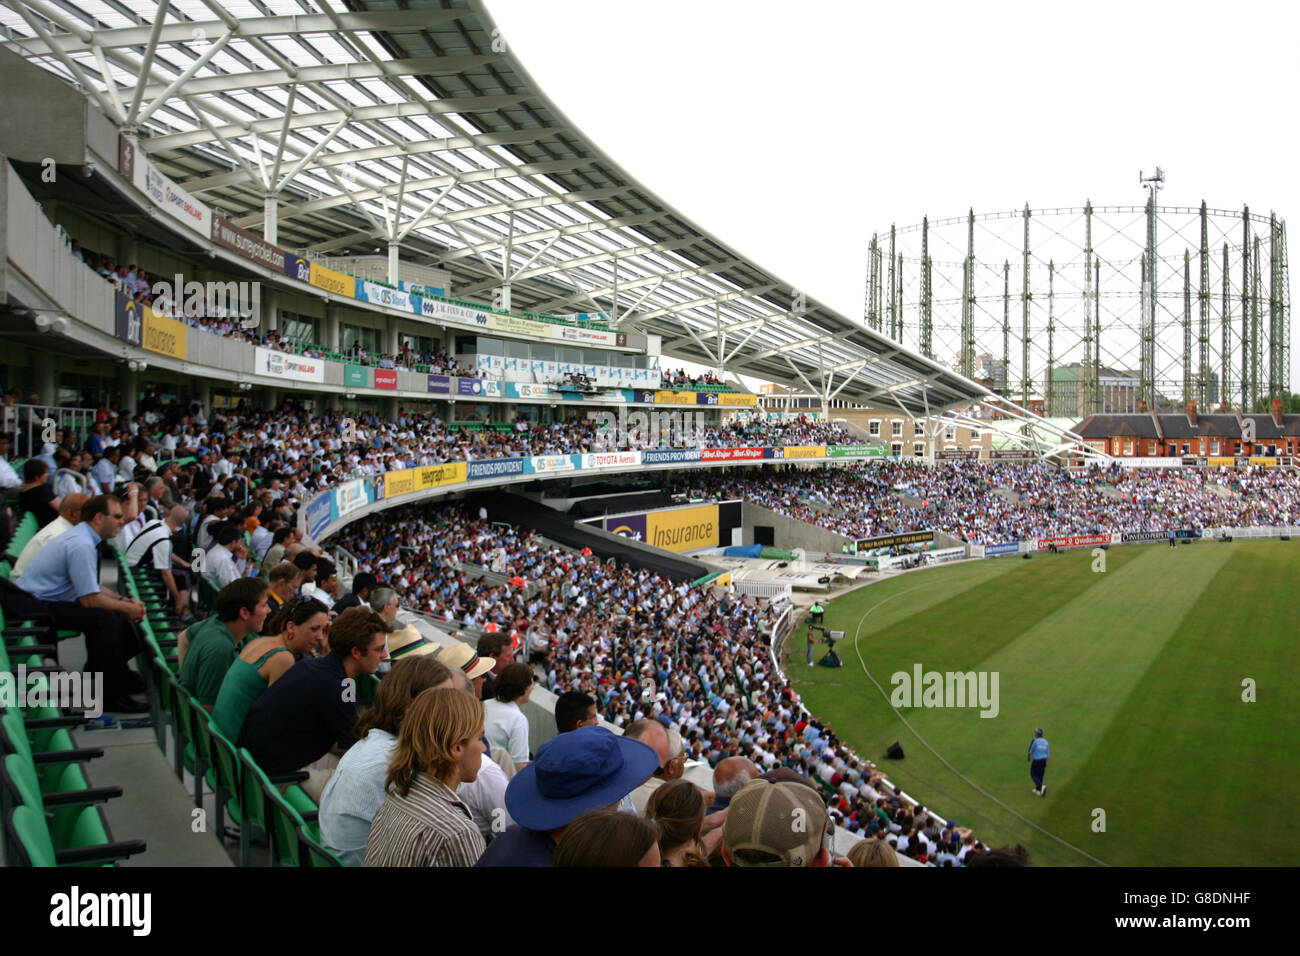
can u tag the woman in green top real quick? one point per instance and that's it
(298, 627)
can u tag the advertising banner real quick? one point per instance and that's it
(356, 376)
(495, 468)
(350, 496)
(332, 281)
(469, 386)
(669, 456)
(893, 540)
(1221, 462)
(408, 480)
(162, 191)
(129, 321)
(526, 390)
(492, 389)
(164, 336)
(731, 454)
(242, 242)
(1074, 541)
(613, 459)
(509, 323)
(857, 451)
(957, 454)
(398, 483)
(629, 526)
(1182, 534)
(1012, 454)
(1150, 462)
(386, 378)
(318, 513)
(737, 399)
(543, 463)
(382, 295)
(282, 365)
(296, 267)
(683, 529)
(439, 384)
(1001, 550)
(796, 451)
(593, 336)
(437, 309)
(434, 476)
(673, 398)
(1264, 460)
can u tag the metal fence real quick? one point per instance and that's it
(34, 425)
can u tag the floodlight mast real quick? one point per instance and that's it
(1149, 291)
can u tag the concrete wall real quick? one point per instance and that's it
(942, 540)
(789, 532)
(40, 116)
(627, 542)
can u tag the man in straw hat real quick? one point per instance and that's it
(461, 657)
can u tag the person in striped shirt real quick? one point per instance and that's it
(423, 822)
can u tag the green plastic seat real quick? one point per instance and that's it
(311, 852)
(35, 847)
(262, 808)
(229, 789)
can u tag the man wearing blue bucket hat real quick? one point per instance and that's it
(585, 769)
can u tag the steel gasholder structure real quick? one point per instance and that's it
(1121, 308)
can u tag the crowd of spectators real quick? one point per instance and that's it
(218, 316)
(677, 378)
(991, 503)
(640, 646)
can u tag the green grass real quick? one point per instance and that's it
(1135, 674)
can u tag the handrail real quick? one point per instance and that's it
(79, 420)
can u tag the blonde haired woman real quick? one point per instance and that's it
(872, 852)
(423, 822)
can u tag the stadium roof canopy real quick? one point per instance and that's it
(372, 122)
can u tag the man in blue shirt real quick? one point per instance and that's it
(304, 721)
(62, 583)
(1038, 754)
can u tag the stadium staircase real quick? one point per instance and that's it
(515, 509)
(53, 816)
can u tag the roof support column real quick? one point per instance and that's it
(270, 225)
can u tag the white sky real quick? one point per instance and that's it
(793, 131)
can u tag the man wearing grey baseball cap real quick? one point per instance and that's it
(776, 824)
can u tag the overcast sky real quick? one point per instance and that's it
(793, 131)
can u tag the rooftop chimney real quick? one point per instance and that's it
(1191, 413)
(1276, 408)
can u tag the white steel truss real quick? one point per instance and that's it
(336, 126)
